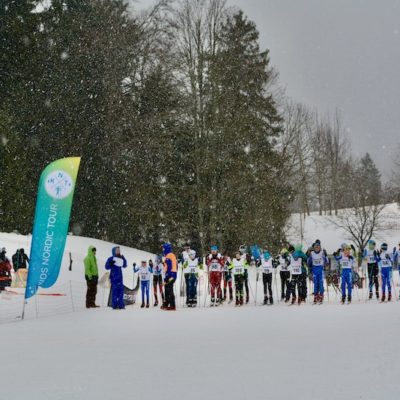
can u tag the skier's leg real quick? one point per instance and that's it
(270, 285)
(155, 284)
(343, 286)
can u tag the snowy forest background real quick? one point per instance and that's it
(183, 129)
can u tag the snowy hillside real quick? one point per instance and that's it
(78, 247)
(321, 227)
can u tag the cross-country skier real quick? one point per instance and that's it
(283, 261)
(237, 267)
(115, 263)
(247, 258)
(215, 264)
(184, 256)
(385, 265)
(267, 270)
(227, 275)
(346, 264)
(158, 280)
(298, 249)
(191, 269)
(170, 275)
(144, 272)
(295, 265)
(370, 255)
(317, 261)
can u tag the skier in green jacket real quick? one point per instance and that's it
(92, 277)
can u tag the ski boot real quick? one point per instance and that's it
(156, 303)
(224, 298)
(237, 302)
(316, 298)
(383, 298)
(147, 305)
(377, 295)
(230, 295)
(247, 298)
(390, 296)
(349, 299)
(241, 302)
(321, 299)
(271, 301)
(299, 300)
(370, 295)
(343, 299)
(171, 308)
(293, 300)
(142, 306)
(265, 300)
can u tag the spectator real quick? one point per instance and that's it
(20, 260)
(115, 263)
(92, 277)
(5, 270)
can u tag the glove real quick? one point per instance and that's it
(134, 264)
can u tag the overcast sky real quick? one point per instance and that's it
(341, 54)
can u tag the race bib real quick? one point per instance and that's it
(143, 276)
(214, 267)
(193, 270)
(371, 259)
(345, 264)
(296, 270)
(317, 261)
(386, 263)
(267, 270)
(239, 270)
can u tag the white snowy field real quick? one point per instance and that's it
(328, 351)
(279, 352)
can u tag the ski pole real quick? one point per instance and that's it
(205, 289)
(276, 286)
(255, 300)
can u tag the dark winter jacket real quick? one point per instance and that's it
(116, 271)
(20, 260)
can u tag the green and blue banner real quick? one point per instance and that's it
(50, 228)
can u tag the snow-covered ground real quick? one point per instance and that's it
(258, 352)
(307, 352)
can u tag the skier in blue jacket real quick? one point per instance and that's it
(316, 261)
(145, 272)
(347, 263)
(115, 263)
(385, 265)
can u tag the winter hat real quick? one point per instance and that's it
(214, 248)
(167, 248)
(384, 246)
(267, 255)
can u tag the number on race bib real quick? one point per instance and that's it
(238, 270)
(192, 270)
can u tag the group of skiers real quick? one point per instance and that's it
(228, 278)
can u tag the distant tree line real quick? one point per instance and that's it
(174, 113)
